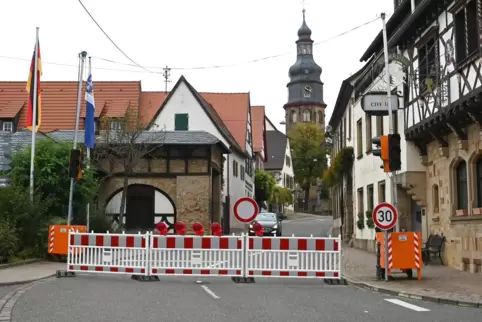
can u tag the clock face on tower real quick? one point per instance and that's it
(307, 91)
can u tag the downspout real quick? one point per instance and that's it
(227, 220)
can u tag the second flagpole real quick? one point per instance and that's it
(88, 160)
(82, 56)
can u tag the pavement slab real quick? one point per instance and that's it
(29, 273)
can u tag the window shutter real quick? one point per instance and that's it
(181, 122)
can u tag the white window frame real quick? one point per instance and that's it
(7, 126)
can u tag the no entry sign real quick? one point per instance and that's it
(245, 210)
(385, 216)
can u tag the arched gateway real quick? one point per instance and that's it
(145, 206)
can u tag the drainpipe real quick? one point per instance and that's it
(412, 3)
(227, 220)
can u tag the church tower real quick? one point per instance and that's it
(305, 88)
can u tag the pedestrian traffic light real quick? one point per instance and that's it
(75, 164)
(382, 150)
(394, 152)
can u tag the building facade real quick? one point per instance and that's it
(185, 109)
(435, 55)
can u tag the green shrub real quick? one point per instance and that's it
(9, 241)
(99, 222)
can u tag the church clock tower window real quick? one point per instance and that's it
(305, 88)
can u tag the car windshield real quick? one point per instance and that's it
(266, 216)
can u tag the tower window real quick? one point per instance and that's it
(293, 117)
(320, 117)
(306, 116)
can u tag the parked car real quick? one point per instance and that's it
(271, 223)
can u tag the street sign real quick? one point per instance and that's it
(385, 216)
(245, 209)
(376, 103)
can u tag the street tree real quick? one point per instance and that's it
(309, 157)
(264, 183)
(123, 143)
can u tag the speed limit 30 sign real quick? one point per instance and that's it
(385, 216)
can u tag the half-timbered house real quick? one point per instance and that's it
(441, 44)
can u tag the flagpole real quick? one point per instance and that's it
(82, 56)
(34, 115)
(88, 159)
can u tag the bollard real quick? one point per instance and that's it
(379, 275)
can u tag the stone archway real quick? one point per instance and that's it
(145, 206)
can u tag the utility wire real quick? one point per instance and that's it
(110, 39)
(181, 68)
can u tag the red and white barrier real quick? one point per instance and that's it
(300, 257)
(108, 253)
(198, 255)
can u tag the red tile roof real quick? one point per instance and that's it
(59, 100)
(257, 123)
(232, 108)
(10, 109)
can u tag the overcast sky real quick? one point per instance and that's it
(190, 33)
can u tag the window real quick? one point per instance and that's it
(320, 117)
(461, 185)
(96, 127)
(478, 173)
(116, 126)
(361, 207)
(381, 192)
(294, 117)
(181, 122)
(370, 197)
(359, 139)
(368, 133)
(428, 62)
(306, 116)
(379, 125)
(7, 126)
(343, 141)
(235, 168)
(349, 123)
(466, 32)
(288, 161)
(242, 176)
(435, 198)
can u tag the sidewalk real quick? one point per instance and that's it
(28, 273)
(439, 283)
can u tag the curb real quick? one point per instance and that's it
(439, 300)
(26, 281)
(21, 263)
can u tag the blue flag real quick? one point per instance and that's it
(89, 135)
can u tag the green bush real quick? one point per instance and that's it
(9, 241)
(99, 223)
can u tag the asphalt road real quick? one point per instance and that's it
(117, 298)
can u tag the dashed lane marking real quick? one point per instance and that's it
(407, 305)
(210, 292)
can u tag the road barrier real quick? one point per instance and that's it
(148, 256)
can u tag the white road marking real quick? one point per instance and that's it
(407, 305)
(211, 293)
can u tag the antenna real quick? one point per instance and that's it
(166, 74)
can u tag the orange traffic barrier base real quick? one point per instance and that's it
(404, 252)
(59, 238)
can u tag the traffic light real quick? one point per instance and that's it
(382, 150)
(75, 164)
(394, 152)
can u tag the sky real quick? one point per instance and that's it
(183, 34)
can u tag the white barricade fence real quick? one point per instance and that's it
(294, 257)
(178, 255)
(197, 255)
(108, 253)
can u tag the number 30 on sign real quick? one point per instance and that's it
(385, 216)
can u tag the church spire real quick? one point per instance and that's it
(304, 33)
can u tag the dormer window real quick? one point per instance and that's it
(7, 126)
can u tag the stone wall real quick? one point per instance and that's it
(462, 228)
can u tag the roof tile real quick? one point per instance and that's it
(257, 122)
(59, 100)
(11, 108)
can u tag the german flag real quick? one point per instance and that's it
(31, 91)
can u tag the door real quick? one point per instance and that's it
(140, 207)
(416, 217)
